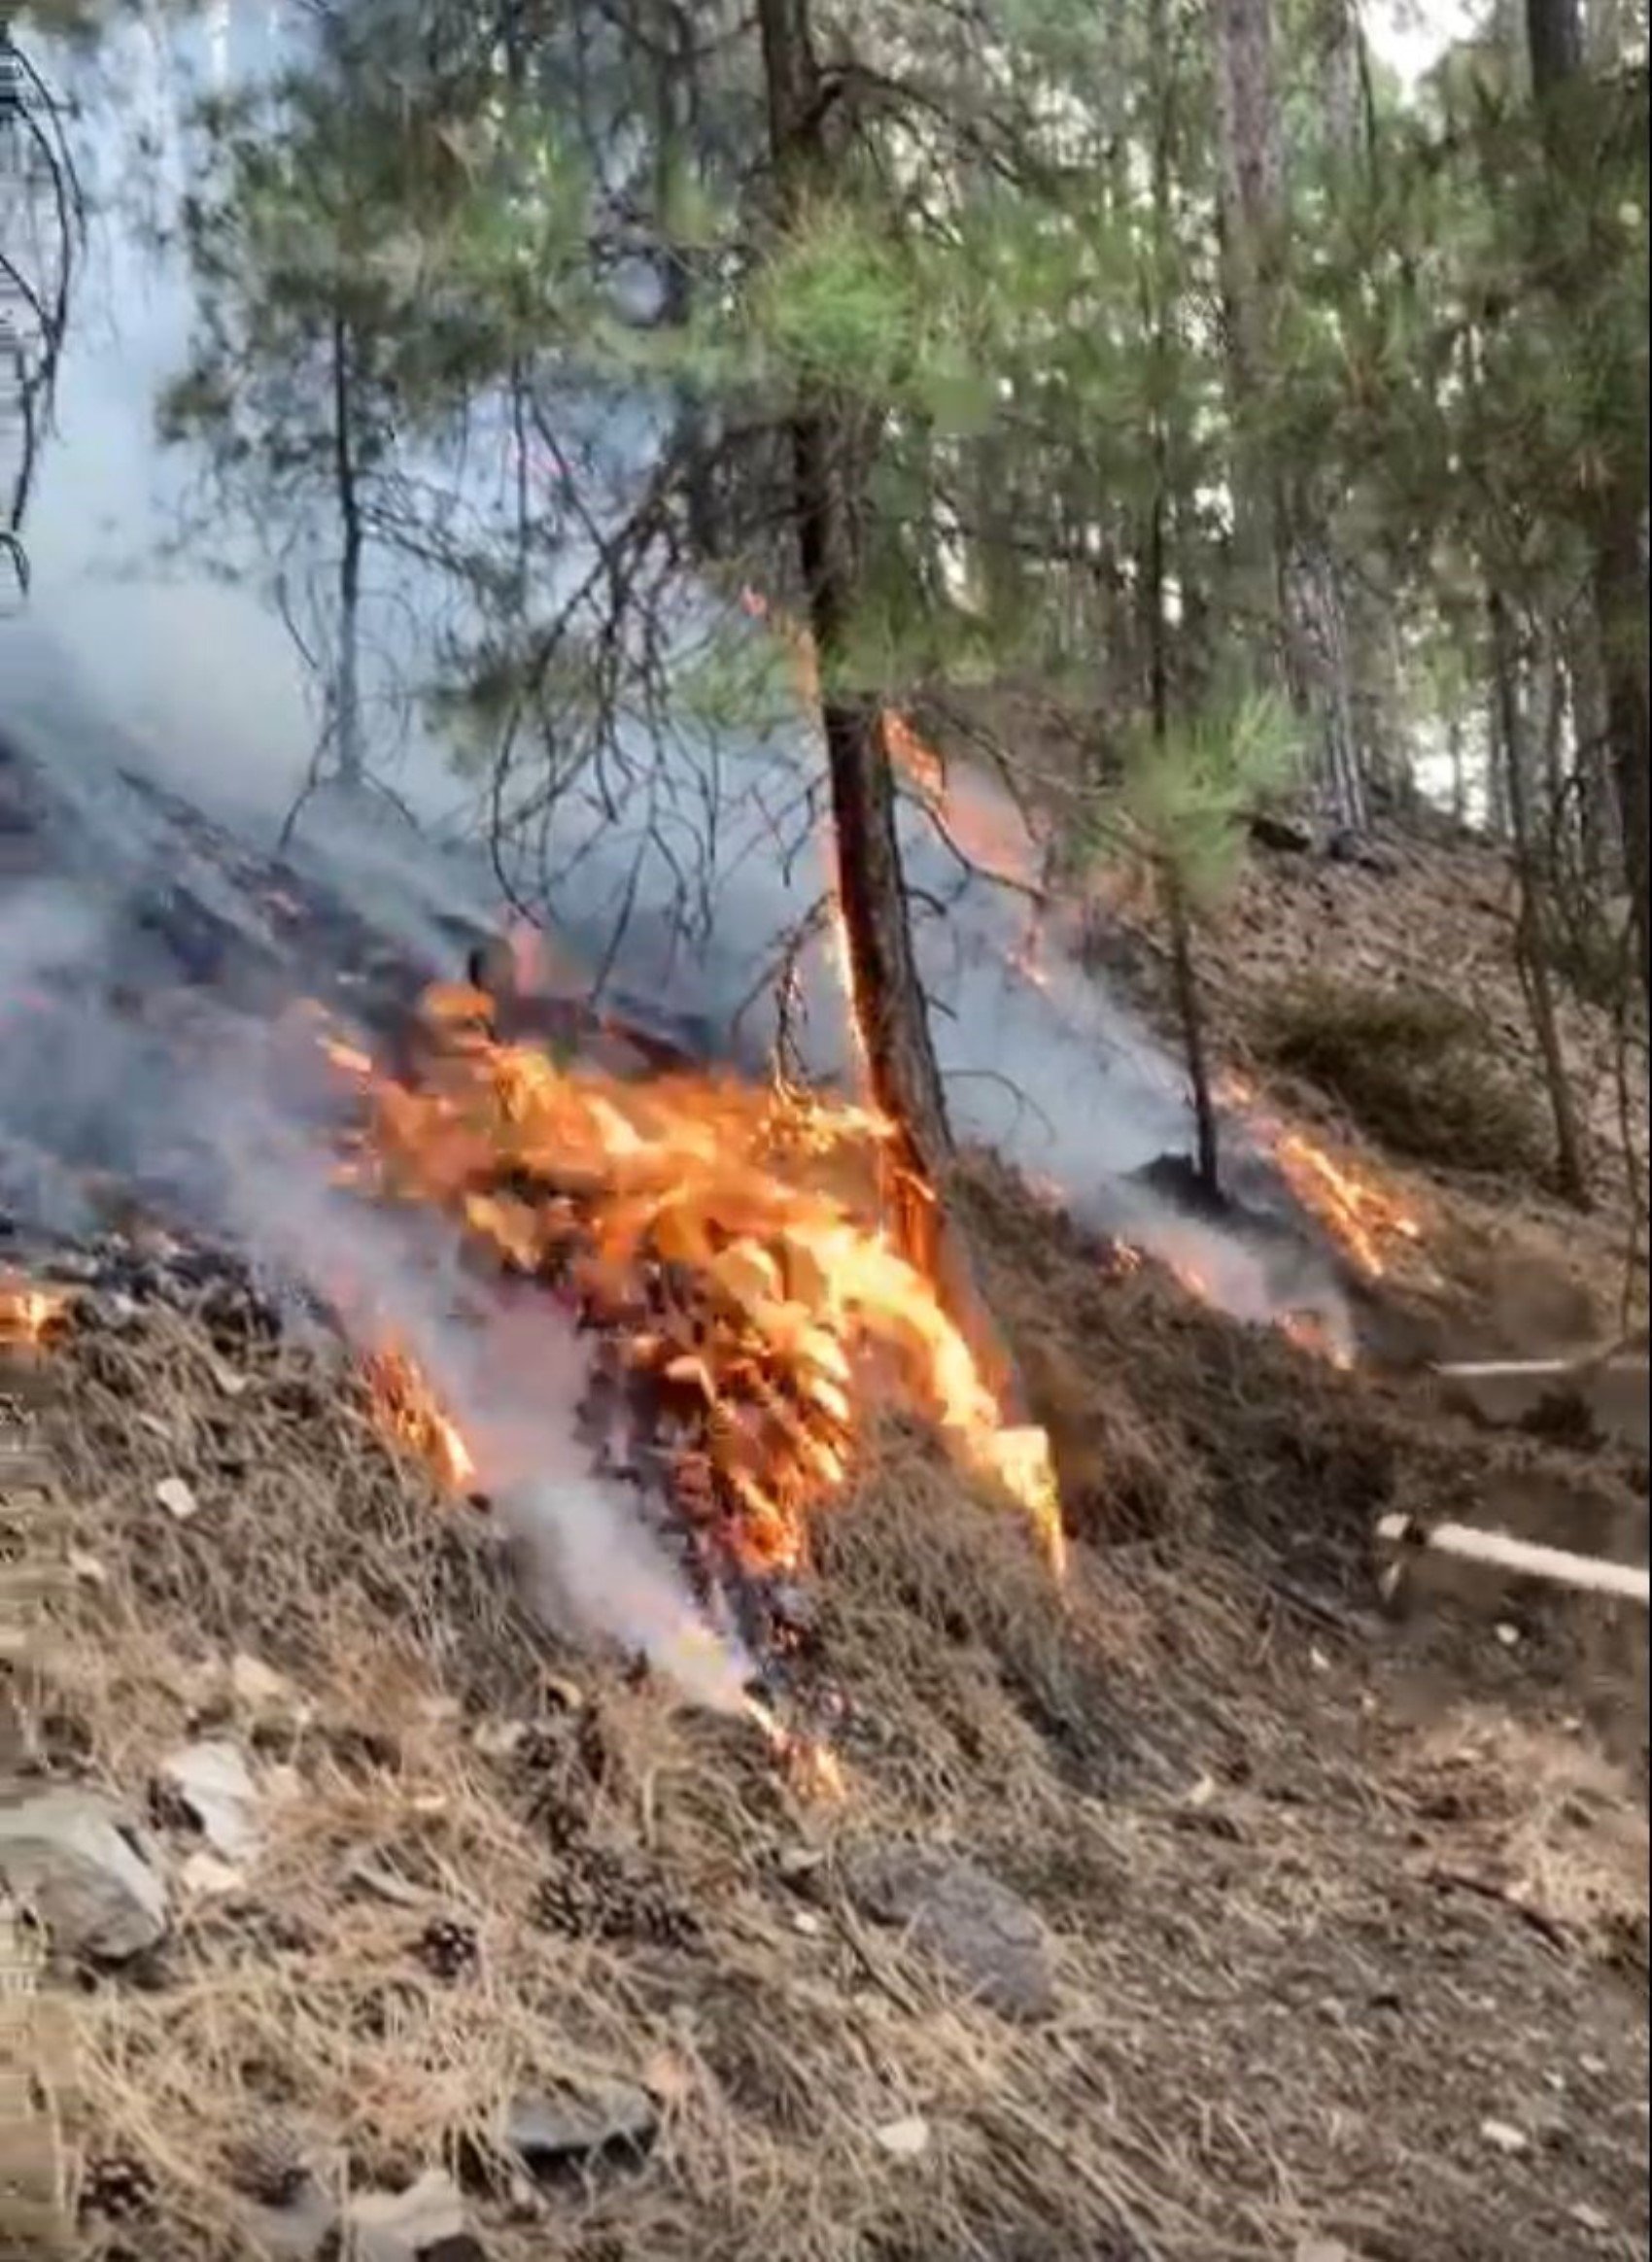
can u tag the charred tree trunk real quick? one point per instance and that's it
(1532, 935)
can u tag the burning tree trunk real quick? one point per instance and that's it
(887, 995)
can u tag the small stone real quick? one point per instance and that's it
(254, 1683)
(544, 2129)
(1590, 2219)
(177, 1498)
(903, 2139)
(88, 1568)
(81, 1861)
(1506, 2136)
(805, 1921)
(402, 2226)
(214, 1783)
(964, 1919)
(1507, 1634)
(497, 1739)
(1322, 2250)
(206, 1877)
(299, 2230)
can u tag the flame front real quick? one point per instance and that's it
(723, 1232)
(1361, 1214)
(410, 1416)
(28, 1312)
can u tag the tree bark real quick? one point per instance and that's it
(1621, 599)
(886, 996)
(1289, 583)
(1531, 939)
(1619, 579)
(347, 681)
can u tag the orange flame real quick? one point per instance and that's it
(1361, 1214)
(28, 1312)
(723, 1227)
(409, 1415)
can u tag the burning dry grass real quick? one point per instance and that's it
(493, 1865)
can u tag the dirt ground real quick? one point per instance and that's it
(1340, 1921)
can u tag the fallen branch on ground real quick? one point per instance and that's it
(1499, 1552)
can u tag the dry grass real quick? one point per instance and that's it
(1415, 1070)
(1225, 1809)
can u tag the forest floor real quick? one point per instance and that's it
(1189, 1908)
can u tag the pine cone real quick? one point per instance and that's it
(449, 1948)
(118, 2187)
(270, 2166)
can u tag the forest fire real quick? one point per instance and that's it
(1362, 1215)
(720, 1232)
(410, 1418)
(28, 1312)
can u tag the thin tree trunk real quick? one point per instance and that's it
(1621, 605)
(347, 686)
(1597, 830)
(1530, 926)
(1459, 780)
(1554, 35)
(887, 994)
(1189, 1005)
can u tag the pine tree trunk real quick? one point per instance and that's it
(1621, 605)
(1619, 581)
(347, 680)
(887, 995)
(1531, 939)
(1597, 820)
(1289, 587)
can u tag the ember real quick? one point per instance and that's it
(721, 1233)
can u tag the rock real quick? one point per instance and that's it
(408, 2226)
(254, 1683)
(1590, 2219)
(177, 1498)
(298, 2231)
(1506, 2136)
(547, 2130)
(1288, 836)
(82, 1862)
(214, 1783)
(965, 1919)
(903, 2139)
(203, 1876)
